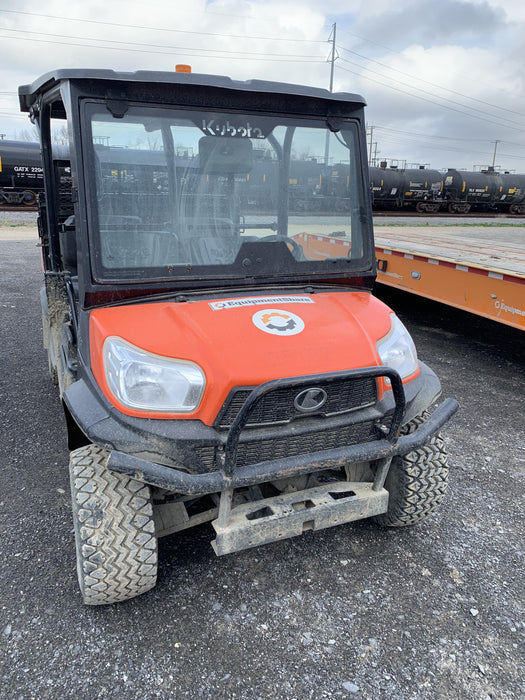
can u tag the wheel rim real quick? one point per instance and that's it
(29, 198)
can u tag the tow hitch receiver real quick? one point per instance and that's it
(287, 515)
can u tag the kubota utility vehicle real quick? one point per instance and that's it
(219, 354)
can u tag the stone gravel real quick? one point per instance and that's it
(432, 611)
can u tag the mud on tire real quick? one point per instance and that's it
(416, 482)
(114, 530)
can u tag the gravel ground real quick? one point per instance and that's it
(432, 611)
(18, 225)
(10, 218)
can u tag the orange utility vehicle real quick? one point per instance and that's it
(211, 367)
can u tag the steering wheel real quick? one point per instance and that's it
(296, 248)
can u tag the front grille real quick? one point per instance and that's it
(277, 407)
(293, 445)
(207, 457)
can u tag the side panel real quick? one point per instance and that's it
(490, 294)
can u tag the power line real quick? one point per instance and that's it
(155, 46)
(445, 99)
(427, 82)
(163, 29)
(510, 143)
(445, 138)
(425, 99)
(391, 50)
(426, 136)
(425, 146)
(210, 53)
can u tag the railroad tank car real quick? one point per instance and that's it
(334, 188)
(21, 173)
(423, 188)
(413, 187)
(387, 187)
(261, 188)
(314, 186)
(306, 191)
(464, 190)
(512, 195)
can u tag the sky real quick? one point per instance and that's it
(444, 80)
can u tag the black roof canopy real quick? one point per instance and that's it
(168, 87)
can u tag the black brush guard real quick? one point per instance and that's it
(258, 522)
(386, 446)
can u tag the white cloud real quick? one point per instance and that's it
(406, 58)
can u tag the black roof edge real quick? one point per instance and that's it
(28, 93)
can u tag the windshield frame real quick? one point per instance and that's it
(359, 273)
(241, 272)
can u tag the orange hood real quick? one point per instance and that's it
(247, 341)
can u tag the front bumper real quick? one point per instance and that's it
(158, 452)
(173, 480)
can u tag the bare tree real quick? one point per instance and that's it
(31, 134)
(60, 134)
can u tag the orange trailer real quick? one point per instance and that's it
(474, 269)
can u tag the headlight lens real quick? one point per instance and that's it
(397, 350)
(147, 382)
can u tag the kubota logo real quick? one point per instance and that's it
(278, 322)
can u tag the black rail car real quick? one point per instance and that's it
(464, 190)
(417, 188)
(512, 194)
(386, 186)
(423, 189)
(130, 176)
(21, 174)
(333, 189)
(484, 190)
(313, 186)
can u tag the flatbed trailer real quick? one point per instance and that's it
(477, 269)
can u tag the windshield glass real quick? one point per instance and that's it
(182, 194)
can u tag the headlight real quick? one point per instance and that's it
(397, 350)
(147, 382)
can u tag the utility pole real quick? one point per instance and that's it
(370, 147)
(332, 61)
(495, 149)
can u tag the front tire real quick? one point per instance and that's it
(114, 530)
(416, 482)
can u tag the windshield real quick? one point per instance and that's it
(180, 193)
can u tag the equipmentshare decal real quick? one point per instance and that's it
(501, 306)
(278, 322)
(257, 301)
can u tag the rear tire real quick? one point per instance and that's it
(416, 482)
(114, 530)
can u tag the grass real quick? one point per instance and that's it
(443, 224)
(19, 224)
